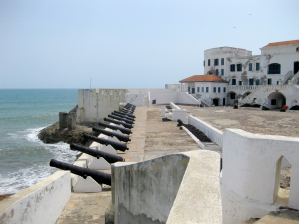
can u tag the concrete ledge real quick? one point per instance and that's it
(40, 203)
(177, 188)
(198, 199)
(213, 133)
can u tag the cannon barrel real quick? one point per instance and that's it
(130, 105)
(115, 145)
(123, 116)
(113, 127)
(120, 137)
(126, 125)
(124, 110)
(129, 115)
(121, 119)
(110, 158)
(99, 177)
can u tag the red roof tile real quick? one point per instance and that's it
(282, 43)
(203, 78)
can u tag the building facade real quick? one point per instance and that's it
(277, 66)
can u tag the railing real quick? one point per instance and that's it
(288, 76)
(230, 87)
(186, 98)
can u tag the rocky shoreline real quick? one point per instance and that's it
(54, 134)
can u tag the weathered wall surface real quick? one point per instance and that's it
(249, 173)
(144, 192)
(95, 104)
(177, 188)
(40, 203)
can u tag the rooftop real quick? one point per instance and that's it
(203, 78)
(282, 43)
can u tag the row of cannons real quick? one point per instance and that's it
(101, 153)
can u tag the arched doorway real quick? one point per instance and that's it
(276, 100)
(216, 101)
(296, 67)
(282, 182)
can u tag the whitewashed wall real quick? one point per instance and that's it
(249, 171)
(155, 191)
(95, 104)
(41, 203)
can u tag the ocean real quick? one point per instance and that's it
(24, 159)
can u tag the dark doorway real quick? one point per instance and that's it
(193, 90)
(296, 67)
(215, 102)
(223, 101)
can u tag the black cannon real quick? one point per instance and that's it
(121, 119)
(99, 177)
(115, 145)
(120, 137)
(129, 115)
(110, 158)
(123, 116)
(126, 125)
(113, 127)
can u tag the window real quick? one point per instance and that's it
(217, 73)
(216, 61)
(239, 67)
(273, 102)
(269, 81)
(274, 68)
(257, 66)
(207, 89)
(257, 82)
(240, 83)
(188, 89)
(222, 71)
(214, 89)
(204, 64)
(202, 89)
(251, 82)
(219, 89)
(209, 62)
(197, 89)
(250, 67)
(233, 82)
(224, 89)
(232, 68)
(232, 96)
(222, 61)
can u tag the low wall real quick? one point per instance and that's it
(173, 106)
(250, 173)
(41, 203)
(213, 133)
(155, 191)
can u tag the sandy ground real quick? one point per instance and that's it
(254, 121)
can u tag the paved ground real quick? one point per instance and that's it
(254, 121)
(151, 138)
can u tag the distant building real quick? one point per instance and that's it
(269, 79)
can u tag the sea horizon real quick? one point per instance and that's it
(24, 159)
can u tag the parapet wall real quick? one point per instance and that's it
(41, 203)
(250, 174)
(95, 104)
(161, 190)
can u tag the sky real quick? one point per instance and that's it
(129, 43)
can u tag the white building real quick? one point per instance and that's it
(209, 88)
(269, 79)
